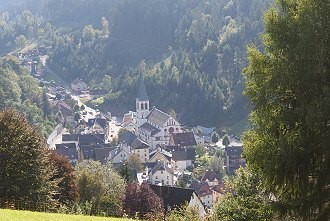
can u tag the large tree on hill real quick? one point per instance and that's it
(64, 172)
(245, 199)
(288, 85)
(100, 185)
(25, 171)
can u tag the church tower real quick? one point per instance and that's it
(142, 104)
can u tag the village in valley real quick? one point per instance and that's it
(171, 157)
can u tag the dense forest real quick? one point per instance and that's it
(190, 53)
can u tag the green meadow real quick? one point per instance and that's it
(16, 215)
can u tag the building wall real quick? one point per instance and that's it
(162, 175)
(143, 154)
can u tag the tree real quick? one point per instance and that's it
(100, 185)
(247, 201)
(143, 200)
(45, 104)
(105, 27)
(215, 138)
(68, 190)
(76, 117)
(288, 85)
(20, 41)
(217, 165)
(25, 171)
(134, 163)
(225, 141)
(183, 213)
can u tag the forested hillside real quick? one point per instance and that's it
(190, 52)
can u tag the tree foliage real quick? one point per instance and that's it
(141, 200)
(100, 185)
(25, 171)
(68, 191)
(288, 85)
(247, 201)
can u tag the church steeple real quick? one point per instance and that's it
(142, 104)
(142, 93)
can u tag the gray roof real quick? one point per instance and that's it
(139, 144)
(126, 137)
(186, 154)
(210, 175)
(149, 128)
(184, 139)
(142, 93)
(68, 150)
(191, 152)
(158, 117)
(102, 154)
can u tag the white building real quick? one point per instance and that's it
(155, 127)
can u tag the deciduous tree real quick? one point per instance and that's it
(25, 171)
(247, 201)
(142, 200)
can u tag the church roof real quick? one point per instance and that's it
(137, 143)
(158, 117)
(142, 93)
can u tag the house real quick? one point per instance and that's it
(68, 150)
(162, 173)
(219, 191)
(129, 121)
(186, 139)
(97, 126)
(78, 85)
(211, 178)
(204, 133)
(234, 158)
(176, 197)
(102, 154)
(89, 139)
(119, 154)
(160, 155)
(65, 110)
(183, 158)
(81, 126)
(141, 149)
(126, 137)
(204, 192)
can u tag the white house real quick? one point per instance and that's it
(120, 154)
(162, 174)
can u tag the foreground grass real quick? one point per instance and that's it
(16, 215)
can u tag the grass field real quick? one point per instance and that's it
(15, 215)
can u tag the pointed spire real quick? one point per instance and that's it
(142, 93)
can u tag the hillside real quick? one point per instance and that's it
(191, 53)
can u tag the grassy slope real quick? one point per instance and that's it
(15, 215)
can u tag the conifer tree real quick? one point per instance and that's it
(288, 85)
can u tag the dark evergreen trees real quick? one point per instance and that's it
(288, 85)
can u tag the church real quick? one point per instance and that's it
(154, 126)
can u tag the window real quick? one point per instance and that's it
(156, 177)
(161, 172)
(167, 177)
